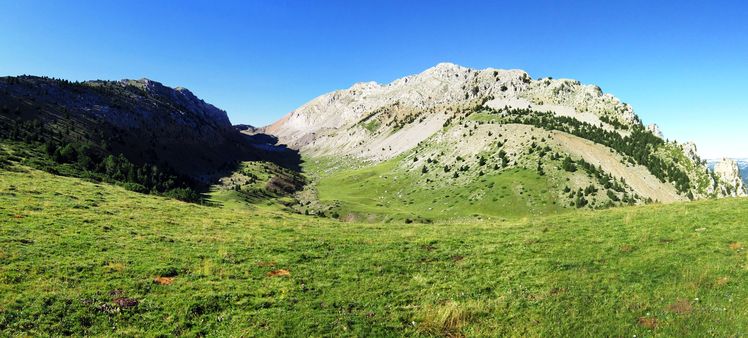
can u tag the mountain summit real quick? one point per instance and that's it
(452, 125)
(420, 104)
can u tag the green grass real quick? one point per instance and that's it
(70, 248)
(385, 191)
(484, 117)
(372, 125)
(249, 185)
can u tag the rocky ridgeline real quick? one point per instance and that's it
(184, 99)
(445, 87)
(142, 119)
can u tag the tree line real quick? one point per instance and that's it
(639, 146)
(94, 162)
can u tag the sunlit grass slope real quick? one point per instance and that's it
(386, 192)
(84, 258)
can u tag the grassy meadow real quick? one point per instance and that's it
(86, 258)
(387, 193)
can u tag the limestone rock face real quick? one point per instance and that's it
(728, 171)
(689, 149)
(379, 121)
(655, 129)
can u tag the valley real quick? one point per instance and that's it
(373, 169)
(81, 257)
(454, 202)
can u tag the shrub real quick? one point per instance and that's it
(183, 194)
(135, 187)
(568, 164)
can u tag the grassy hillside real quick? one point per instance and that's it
(384, 191)
(505, 163)
(85, 258)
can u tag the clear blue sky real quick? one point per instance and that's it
(681, 64)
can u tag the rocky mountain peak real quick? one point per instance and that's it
(185, 98)
(446, 70)
(421, 103)
(364, 86)
(729, 172)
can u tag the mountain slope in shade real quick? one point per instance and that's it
(141, 119)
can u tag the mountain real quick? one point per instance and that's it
(452, 126)
(138, 131)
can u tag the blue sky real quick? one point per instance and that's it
(681, 64)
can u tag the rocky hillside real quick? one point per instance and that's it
(143, 120)
(452, 125)
(741, 163)
(417, 106)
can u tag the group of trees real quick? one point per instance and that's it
(84, 158)
(605, 179)
(503, 158)
(613, 186)
(20, 130)
(614, 122)
(568, 164)
(146, 178)
(579, 197)
(91, 161)
(639, 146)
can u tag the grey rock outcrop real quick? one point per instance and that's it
(728, 172)
(689, 149)
(655, 129)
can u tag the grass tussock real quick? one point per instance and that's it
(446, 319)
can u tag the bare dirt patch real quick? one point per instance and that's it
(163, 280)
(555, 291)
(637, 177)
(681, 307)
(351, 217)
(429, 247)
(648, 322)
(279, 273)
(736, 246)
(116, 292)
(124, 302)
